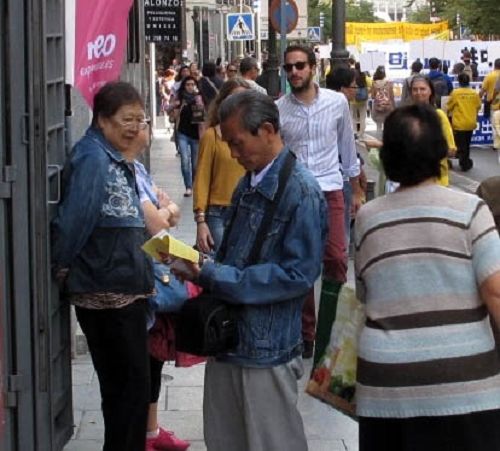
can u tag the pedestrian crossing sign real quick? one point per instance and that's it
(240, 27)
(314, 34)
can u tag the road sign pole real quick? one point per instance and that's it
(283, 27)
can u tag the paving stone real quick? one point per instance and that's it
(184, 398)
(186, 424)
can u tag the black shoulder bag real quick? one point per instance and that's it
(207, 325)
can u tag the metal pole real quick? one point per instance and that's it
(258, 39)
(222, 50)
(200, 56)
(153, 81)
(283, 28)
(240, 44)
(339, 54)
(273, 80)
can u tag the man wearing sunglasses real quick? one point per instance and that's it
(316, 126)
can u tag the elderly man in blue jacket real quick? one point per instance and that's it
(250, 399)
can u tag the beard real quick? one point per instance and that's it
(304, 86)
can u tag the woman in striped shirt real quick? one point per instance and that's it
(428, 270)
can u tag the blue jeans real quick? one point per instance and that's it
(214, 217)
(188, 148)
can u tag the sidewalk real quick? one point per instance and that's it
(181, 397)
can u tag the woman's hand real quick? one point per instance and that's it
(163, 198)
(204, 239)
(185, 270)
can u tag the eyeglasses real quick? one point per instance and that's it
(299, 65)
(131, 123)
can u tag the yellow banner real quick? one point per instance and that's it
(357, 32)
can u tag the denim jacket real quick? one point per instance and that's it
(269, 295)
(99, 227)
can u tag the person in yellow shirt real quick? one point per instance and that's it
(463, 105)
(422, 91)
(488, 88)
(217, 175)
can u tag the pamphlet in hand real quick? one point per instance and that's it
(164, 245)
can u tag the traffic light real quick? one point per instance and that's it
(321, 19)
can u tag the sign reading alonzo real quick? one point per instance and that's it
(162, 20)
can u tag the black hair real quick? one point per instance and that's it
(182, 87)
(416, 66)
(414, 145)
(208, 69)
(340, 77)
(111, 97)
(308, 51)
(379, 73)
(179, 76)
(497, 63)
(434, 63)
(463, 79)
(253, 108)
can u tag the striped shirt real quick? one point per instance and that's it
(427, 347)
(318, 134)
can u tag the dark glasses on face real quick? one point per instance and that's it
(299, 65)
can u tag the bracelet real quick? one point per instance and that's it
(199, 217)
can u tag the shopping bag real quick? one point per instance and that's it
(333, 379)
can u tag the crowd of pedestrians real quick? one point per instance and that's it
(276, 186)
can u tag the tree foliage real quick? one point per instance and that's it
(479, 16)
(355, 12)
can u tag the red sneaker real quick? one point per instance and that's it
(166, 441)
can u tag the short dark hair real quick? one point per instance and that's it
(340, 77)
(413, 145)
(111, 97)
(253, 108)
(463, 79)
(208, 69)
(308, 51)
(416, 66)
(247, 64)
(379, 73)
(497, 63)
(434, 63)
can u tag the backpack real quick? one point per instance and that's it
(382, 102)
(362, 94)
(440, 87)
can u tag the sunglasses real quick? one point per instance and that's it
(298, 65)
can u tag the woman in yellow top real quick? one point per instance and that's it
(422, 91)
(463, 105)
(217, 174)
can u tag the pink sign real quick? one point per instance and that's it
(101, 36)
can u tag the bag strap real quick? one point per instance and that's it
(267, 219)
(212, 85)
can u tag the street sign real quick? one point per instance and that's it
(162, 24)
(240, 27)
(314, 34)
(291, 15)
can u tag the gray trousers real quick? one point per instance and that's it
(253, 409)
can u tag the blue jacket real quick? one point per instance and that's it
(433, 74)
(270, 294)
(99, 227)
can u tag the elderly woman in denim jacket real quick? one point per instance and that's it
(97, 256)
